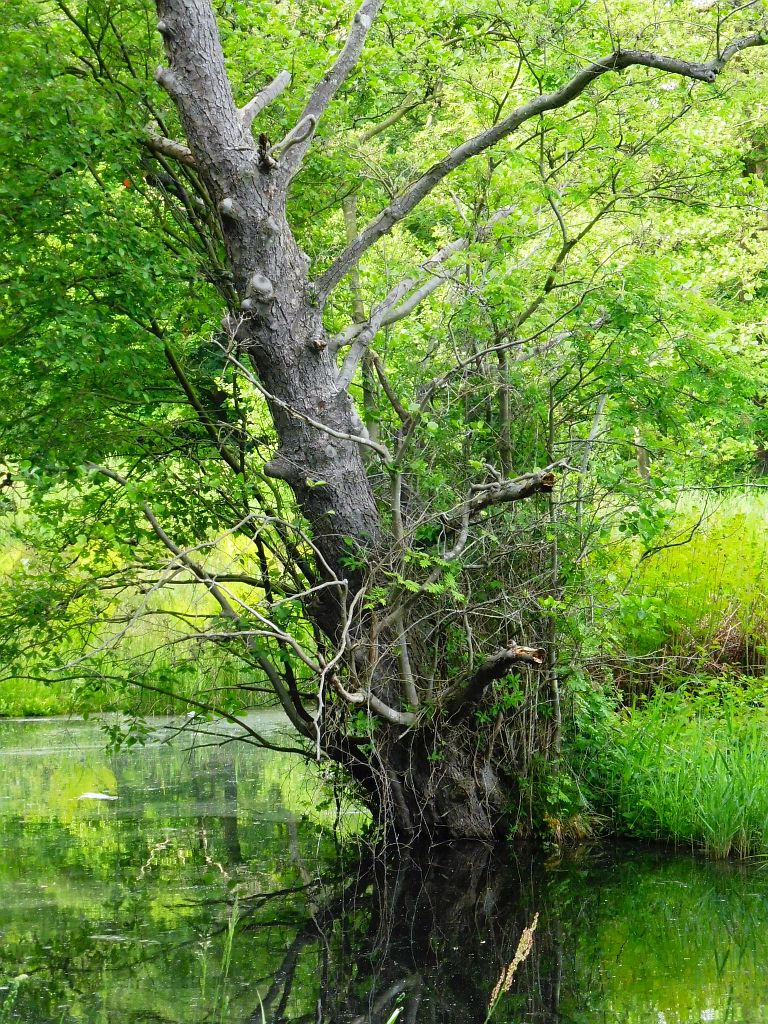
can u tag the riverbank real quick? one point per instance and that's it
(665, 715)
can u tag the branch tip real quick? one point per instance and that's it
(264, 97)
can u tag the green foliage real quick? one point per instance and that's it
(692, 766)
(698, 603)
(612, 323)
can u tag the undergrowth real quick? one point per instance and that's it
(691, 766)
(699, 605)
(670, 741)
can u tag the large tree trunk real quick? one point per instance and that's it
(442, 787)
(457, 777)
(422, 780)
(279, 327)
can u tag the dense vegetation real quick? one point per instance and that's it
(529, 401)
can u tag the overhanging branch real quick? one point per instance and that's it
(222, 597)
(619, 60)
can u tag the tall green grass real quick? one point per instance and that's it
(701, 603)
(692, 767)
(687, 647)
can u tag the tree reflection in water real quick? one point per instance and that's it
(629, 936)
(214, 882)
(430, 936)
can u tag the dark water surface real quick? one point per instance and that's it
(211, 890)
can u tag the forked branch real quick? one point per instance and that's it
(405, 296)
(333, 79)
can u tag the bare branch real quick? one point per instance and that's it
(496, 667)
(389, 391)
(374, 704)
(462, 525)
(335, 77)
(505, 491)
(293, 711)
(408, 104)
(589, 442)
(176, 150)
(406, 671)
(262, 99)
(755, 39)
(210, 427)
(391, 308)
(385, 313)
(619, 60)
(295, 137)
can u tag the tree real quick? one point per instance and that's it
(377, 593)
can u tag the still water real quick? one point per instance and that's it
(212, 890)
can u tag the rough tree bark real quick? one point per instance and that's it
(278, 333)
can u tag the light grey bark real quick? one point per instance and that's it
(264, 97)
(176, 150)
(281, 331)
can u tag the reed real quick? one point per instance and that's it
(507, 976)
(692, 768)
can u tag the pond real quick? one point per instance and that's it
(213, 889)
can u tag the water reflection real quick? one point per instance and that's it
(212, 889)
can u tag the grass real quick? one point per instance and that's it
(687, 762)
(701, 605)
(692, 767)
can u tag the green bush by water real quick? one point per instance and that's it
(692, 767)
(688, 761)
